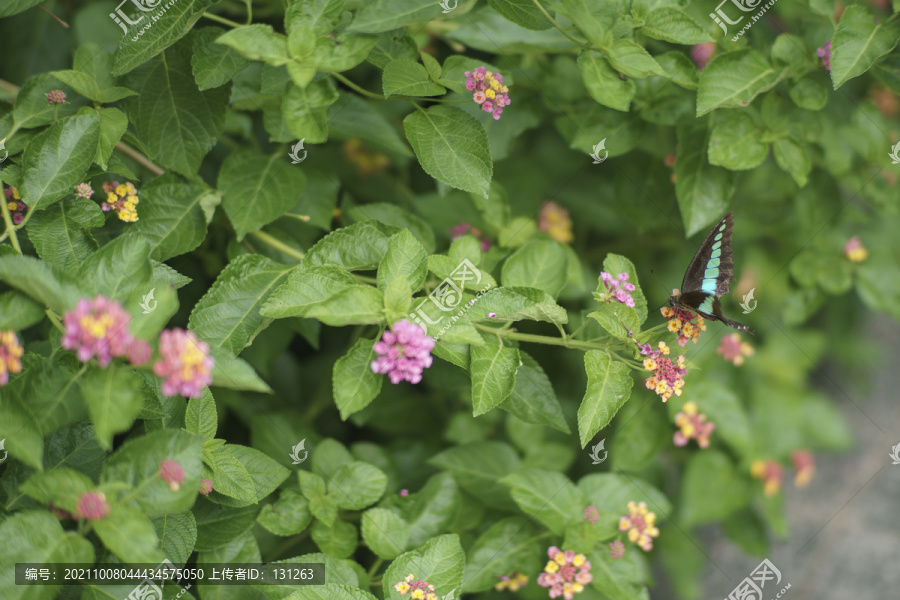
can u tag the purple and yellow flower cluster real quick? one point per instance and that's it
(617, 288)
(855, 251)
(734, 350)
(555, 220)
(14, 203)
(404, 351)
(640, 524)
(56, 97)
(681, 323)
(99, 327)
(512, 582)
(416, 588)
(171, 471)
(10, 355)
(122, 198)
(457, 231)
(185, 365)
(668, 376)
(825, 55)
(488, 90)
(565, 574)
(694, 426)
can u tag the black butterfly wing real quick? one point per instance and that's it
(712, 268)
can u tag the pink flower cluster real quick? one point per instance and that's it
(565, 574)
(15, 205)
(56, 97)
(618, 288)
(99, 327)
(457, 231)
(10, 355)
(92, 506)
(171, 471)
(616, 549)
(703, 53)
(84, 190)
(825, 55)
(592, 514)
(488, 90)
(205, 486)
(404, 351)
(694, 426)
(185, 365)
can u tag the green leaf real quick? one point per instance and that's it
(61, 233)
(395, 216)
(338, 540)
(136, 464)
(735, 142)
(305, 110)
(321, 16)
(234, 373)
(355, 305)
(358, 118)
(360, 246)
(409, 78)
(734, 79)
(385, 15)
(608, 388)
(129, 535)
(703, 190)
(792, 156)
(33, 110)
(809, 93)
(516, 304)
(113, 398)
(431, 509)
(507, 545)
(357, 485)
(493, 369)
(33, 277)
(548, 496)
(113, 124)
(177, 535)
(384, 532)
(540, 264)
(176, 123)
(631, 59)
(603, 82)
(335, 55)
(61, 486)
(91, 77)
(156, 31)
(331, 591)
(859, 41)
(679, 68)
(56, 160)
(523, 13)
(257, 42)
(642, 430)
(711, 490)
(289, 515)
(452, 147)
(306, 286)
(171, 216)
(611, 493)
(18, 311)
(214, 64)
(620, 578)
(440, 561)
(267, 474)
(532, 399)
(671, 24)
(229, 476)
(354, 383)
(227, 316)
(478, 467)
(219, 525)
(405, 258)
(118, 269)
(201, 417)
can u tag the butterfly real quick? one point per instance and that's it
(709, 275)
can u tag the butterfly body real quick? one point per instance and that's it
(709, 276)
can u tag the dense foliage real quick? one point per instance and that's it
(222, 226)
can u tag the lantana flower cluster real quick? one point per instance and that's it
(92, 506)
(488, 90)
(171, 471)
(99, 327)
(640, 524)
(416, 588)
(10, 355)
(17, 208)
(565, 574)
(770, 472)
(457, 231)
(855, 251)
(592, 514)
(56, 97)
(616, 549)
(617, 288)
(122, 198)
(668, 376)
(555, 221)
(404, 351)
(734, 350)
(805, 467)
(512, 582)
(825, 55)
(683, 323)
(367, 161)
(694, 426)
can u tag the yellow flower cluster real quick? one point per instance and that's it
(554, 219)
(640, 525)
(513, 582)
(10, 355)
(121, 198)
(417, 590)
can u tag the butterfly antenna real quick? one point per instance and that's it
(659, 282)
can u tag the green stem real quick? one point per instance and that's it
(364, 279)
(355, 87)
(55, 320)
(375, 96)
(304, 218)
(223, 20)
(249, 4)
(580, 329)
(540, 339)
(375, 567)
(277, 244)
(558, 28)
(10, 228)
